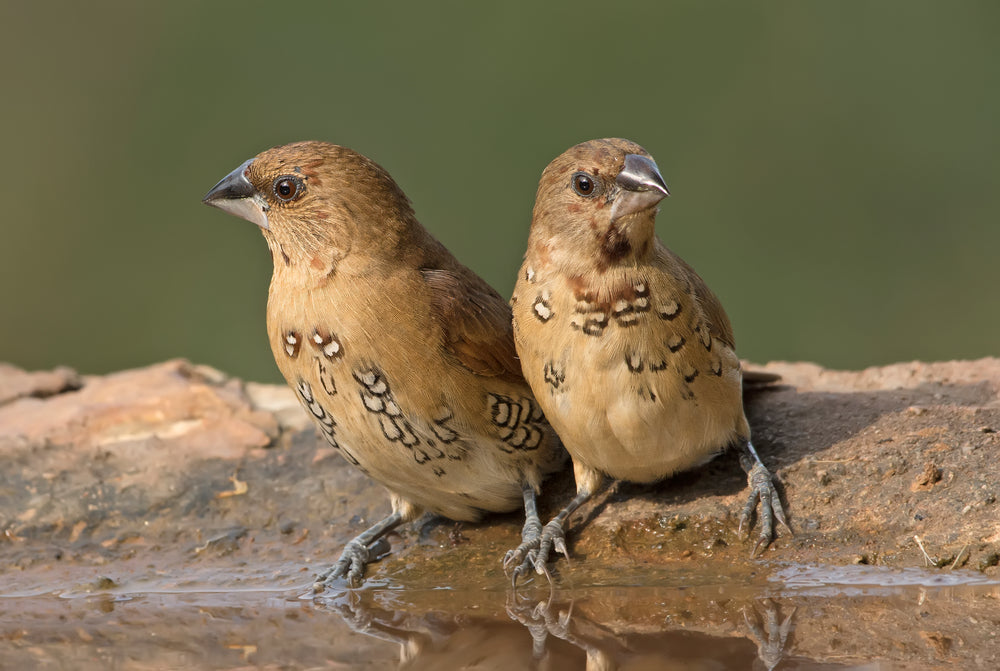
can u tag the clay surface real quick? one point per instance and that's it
(196, 508)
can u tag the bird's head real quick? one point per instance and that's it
(599, 197)
(315, 199)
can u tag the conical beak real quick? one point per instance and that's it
(236, 195)
(641, 184)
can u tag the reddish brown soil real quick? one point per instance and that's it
(170, 517)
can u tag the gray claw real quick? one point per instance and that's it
(351, 564)
(553, 538)
(533, 554)
(519, 557)
(761, 489)
(522, 569)
(559, 544)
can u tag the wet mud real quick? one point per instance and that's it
(172, 517)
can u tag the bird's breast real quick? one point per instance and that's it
(378, 385)
(628, 374)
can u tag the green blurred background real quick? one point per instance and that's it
(835, 166)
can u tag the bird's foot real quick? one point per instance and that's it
(539, 619)
(533, 553)
(531, 535)
(769, 636)
(351, 564)
(761, 489)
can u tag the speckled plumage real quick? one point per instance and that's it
(402, 355)
(629, 353)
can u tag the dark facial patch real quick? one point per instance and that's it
(614, 247)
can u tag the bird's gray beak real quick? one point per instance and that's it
(641, 185)
(236, 195)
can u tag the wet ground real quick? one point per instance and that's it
(790, 617)
(173, 518)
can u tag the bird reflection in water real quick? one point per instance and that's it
(587, 633)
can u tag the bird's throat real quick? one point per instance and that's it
(626, 240)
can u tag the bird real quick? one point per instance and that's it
(403, 356)
(629, 353)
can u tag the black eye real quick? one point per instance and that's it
(287, 188)
(584, 184)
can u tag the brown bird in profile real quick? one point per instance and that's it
(403, 356)
(629, 353)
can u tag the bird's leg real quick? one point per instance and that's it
(532, 621)
(770, 643)
(360, 550)
(761, 488)
(531, 533)
(535, 555)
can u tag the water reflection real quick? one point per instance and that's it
(588, 632)
(770, 636)
(793, 618)
(917, 618)
(438, 639)
(608, 647)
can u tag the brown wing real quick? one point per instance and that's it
(476, 323)
(718, 320)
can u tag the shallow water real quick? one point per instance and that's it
(788, 617)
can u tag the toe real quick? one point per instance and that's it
(779, 510)
(559, 544)
(762, 491)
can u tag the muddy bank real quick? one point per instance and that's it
(177, 479)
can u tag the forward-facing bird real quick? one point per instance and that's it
(629, 353)
(403, 356)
